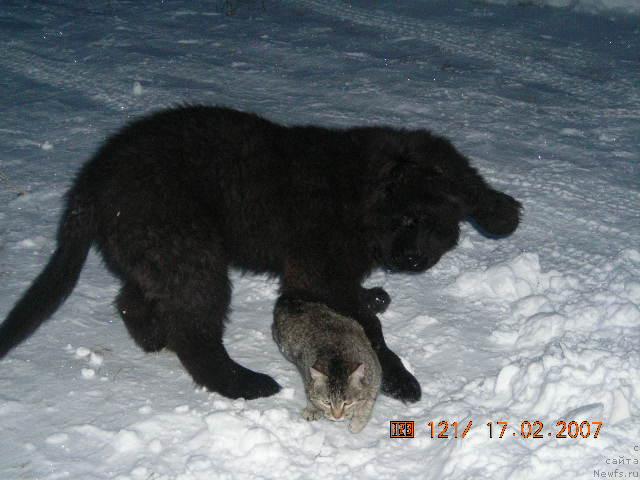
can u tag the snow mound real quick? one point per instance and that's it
(510, 280)
(552, 305)
(566, 382)
(514, 280)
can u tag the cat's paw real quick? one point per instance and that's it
(356, 426)
(311, 414)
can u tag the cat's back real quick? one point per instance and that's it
(308, 328)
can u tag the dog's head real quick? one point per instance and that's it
(421, 189)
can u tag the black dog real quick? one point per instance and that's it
(176, 199)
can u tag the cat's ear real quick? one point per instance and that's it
(357, 375)
(316, 373)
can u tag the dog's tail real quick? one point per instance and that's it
(59, 277)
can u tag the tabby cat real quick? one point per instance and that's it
(340, 370)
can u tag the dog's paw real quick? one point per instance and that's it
(498, 214)
(398, 383)
(255, 385)
(375, 299)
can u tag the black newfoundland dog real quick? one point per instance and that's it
(176, 199)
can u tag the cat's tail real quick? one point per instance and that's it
(59, 277)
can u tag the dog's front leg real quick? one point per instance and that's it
(397, 382)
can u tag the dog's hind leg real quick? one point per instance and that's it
(146, 329)
(177, 292)
(187, 280)
(196, 314)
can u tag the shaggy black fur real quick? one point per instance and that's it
(177, 198)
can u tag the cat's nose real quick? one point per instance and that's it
(337, 413)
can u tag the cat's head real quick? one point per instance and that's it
(338, 387)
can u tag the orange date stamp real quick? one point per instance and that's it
(402, 429)
(525, 429)
(536, 429)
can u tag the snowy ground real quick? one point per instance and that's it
(591, 6)
(542, 326)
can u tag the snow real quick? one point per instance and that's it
(541, 326)
(629, 7)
